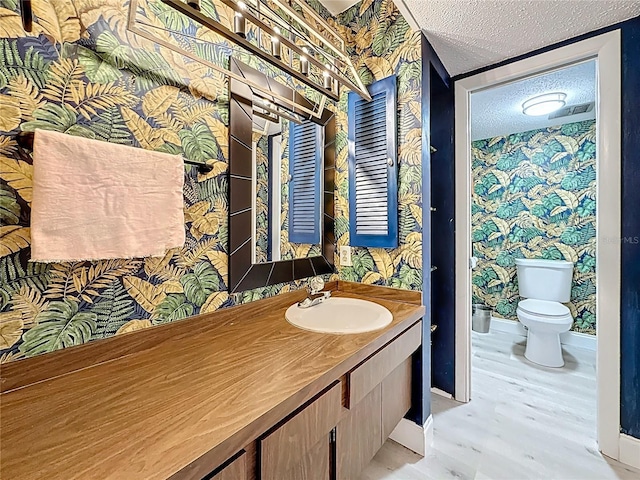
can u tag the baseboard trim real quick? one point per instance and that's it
(575, 339)
(442, 393)
(580, 340)
(507, 326)
(413, 436)
(629, 450)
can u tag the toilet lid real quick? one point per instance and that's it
(543, 307)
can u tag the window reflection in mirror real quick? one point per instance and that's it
(287, 203)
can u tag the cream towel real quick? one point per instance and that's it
(95, 200)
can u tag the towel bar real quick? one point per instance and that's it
(25, 140)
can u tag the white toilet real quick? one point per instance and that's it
(544, 284)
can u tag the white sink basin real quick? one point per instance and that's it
(340, 315)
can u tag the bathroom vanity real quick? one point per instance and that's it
(239, 394)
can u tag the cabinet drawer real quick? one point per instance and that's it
(288, 444)
(365, 377)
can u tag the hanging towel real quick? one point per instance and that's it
(96, 200)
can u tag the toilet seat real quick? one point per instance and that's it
(544, 309)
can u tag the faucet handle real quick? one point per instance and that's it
(316, 284)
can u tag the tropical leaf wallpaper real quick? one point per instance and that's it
(535, 197)
(382, 44)
(81, 72)
(261, 212)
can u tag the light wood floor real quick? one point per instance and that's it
(523, 422)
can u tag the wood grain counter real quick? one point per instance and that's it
(197, 390)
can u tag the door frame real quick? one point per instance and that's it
(606, 50)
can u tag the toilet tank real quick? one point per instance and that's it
(545, 279)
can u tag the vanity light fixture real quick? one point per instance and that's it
(292, 107)
(303, 24)
(544, 104)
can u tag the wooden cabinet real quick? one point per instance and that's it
(299, 448)
(379, 397)
(335, 435)
(234, 470)
(359, 436)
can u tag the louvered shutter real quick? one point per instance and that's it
(373, 192)
(305, 158)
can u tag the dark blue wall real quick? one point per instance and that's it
(437, 130)
(442, 235)
(630, 306)
(630, 295)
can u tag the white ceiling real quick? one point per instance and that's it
(498, 111)
(338, 6)
(470, 34)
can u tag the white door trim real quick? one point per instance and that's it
(606, 50)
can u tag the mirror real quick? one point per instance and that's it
(285, 190)
(281, 189)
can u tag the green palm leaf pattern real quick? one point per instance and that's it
(109, 126)
(83, 87)
(198, 143)
(57, 118)
(59, 326)
(534, 197)
(32, 65)
(113, 308)
(9, 208)
(174, 307)
(97, 69)
(15, 274)
(200, 284)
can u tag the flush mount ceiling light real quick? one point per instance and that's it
(544, 104)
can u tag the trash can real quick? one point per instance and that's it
(481, 319)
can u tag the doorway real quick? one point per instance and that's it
(605, 50)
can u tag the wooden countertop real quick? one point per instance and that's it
(218, 381)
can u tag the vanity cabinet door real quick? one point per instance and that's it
(313, 465)
(236, 470)
(396, 397)
(359, 436)
(299, 449)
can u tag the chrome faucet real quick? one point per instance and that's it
(315, 295)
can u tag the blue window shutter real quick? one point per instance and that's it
(305, 163)
(373, 171)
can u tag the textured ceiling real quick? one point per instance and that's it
(470, 34)
(498, 111)
(338, 6)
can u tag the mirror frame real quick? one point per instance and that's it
(244, 275)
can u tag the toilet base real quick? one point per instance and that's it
(544, 348)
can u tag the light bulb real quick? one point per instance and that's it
(327, 80)
(239, 24)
